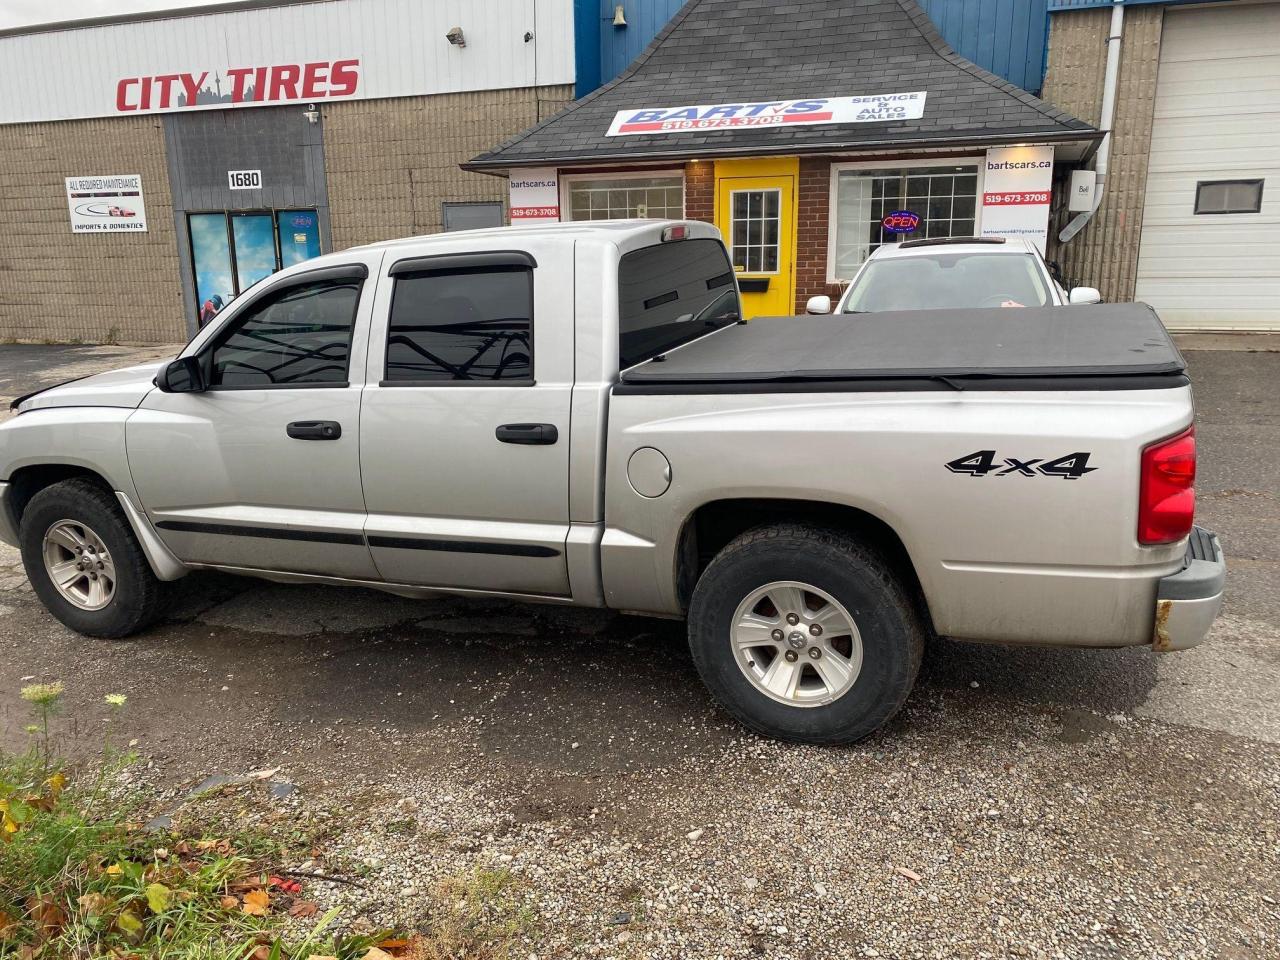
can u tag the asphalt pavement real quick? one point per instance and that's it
(1027, 802)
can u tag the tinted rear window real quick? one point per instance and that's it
(671, 293)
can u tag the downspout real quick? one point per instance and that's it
(1103, 156)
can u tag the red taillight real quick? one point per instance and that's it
(1167, 495)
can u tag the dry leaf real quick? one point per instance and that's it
(260, 952)
(393, 943)
(46, 915)
(8, 925)
(376, 954)
(256, 903)
(230, 903)
(909, 874)
(304, 908)
(94, 903)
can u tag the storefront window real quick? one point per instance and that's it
(622, 197)
(230, 252)
(943, 197)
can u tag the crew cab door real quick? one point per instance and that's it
(465, 425)
(262, 469)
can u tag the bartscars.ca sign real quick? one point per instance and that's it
(772, 114)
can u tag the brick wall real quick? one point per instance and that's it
(96, 288)
(812, 231)
(392, 163)
(1105, 253)
(700, 191)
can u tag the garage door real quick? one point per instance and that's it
(1216, 135)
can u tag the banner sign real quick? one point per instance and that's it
(535, 195)
(776, 114)
(1016, 191)
(108, 204)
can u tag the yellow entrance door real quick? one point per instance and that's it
(756, 212)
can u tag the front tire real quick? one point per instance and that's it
(805, 634)
(84, 562)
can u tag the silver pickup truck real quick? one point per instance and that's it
(576, 414)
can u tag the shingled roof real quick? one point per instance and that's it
(734, 51)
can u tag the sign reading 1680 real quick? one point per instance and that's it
(244, 179)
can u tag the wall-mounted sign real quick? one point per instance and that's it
(1015, 193)
(901, 221)
(281, 53)
(244, 179)
(107, 204)
(773, 114)
(535, 195)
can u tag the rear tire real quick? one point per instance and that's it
(805, 634)
(84, 562)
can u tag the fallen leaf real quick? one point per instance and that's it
(393, 943)
(909, 874)
(230, 903)
(304, 908)
(260, 952)
(376, 954)
(129, 925)
(256, 903)
(93, 903)
(288, 886)
(46, 915)
(56, 784)
(157, 897)
(114, 870)
(8, 925)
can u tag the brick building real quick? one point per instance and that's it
(153, 163)
(808, 132)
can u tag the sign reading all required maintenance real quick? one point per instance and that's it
(107, 204)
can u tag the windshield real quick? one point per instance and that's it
(941, 280)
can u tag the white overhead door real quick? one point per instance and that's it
(1216, 134)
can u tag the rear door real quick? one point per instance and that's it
(465, 421)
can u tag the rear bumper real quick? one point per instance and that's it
(1188, 601)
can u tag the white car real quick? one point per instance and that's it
(953, 272)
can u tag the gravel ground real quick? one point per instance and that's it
(1026, 803)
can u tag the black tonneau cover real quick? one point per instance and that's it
(1101, 347)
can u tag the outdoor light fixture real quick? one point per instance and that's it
(456, 38)
(619, 18)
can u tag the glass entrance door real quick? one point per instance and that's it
(233, 250)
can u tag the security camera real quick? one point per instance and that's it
(312, 113)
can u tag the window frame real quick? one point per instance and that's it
(777, 192)
(1200, 184)
(507, 261)
(568, 179)
(227, 214)
(979, 160)
(357, 272)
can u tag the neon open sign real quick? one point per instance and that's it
(901, 221)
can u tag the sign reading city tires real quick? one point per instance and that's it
(107, 204)
(244, 179)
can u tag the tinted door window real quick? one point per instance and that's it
(299, 335)
(466, 325)
(670, 294)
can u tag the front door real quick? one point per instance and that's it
(465, 424)
(755, 211)
(262, 470)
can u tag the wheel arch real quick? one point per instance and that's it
(713, 525)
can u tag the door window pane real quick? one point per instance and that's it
(944, 198)
(465, 325)
(622, 197)
(755, 229)
(670, 293)
(211, 262)
(255, 246)
(299, 236)
(299, 335)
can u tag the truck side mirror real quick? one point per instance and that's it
(1084, 295)
(183, 375)
(818, 305)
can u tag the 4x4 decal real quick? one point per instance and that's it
(1073, 466)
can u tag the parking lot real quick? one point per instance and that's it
(1035, 803)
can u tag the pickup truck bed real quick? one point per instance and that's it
(1112, 347)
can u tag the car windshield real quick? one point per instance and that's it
(940, 280)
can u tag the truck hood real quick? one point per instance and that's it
(116, 388)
